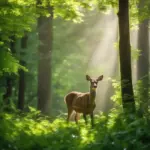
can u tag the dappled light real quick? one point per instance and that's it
(110, 132)
(74, 75)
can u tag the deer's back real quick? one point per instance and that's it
(81, 103)
(69, 98)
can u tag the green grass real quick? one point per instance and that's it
(31, 131)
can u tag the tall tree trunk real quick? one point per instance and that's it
(21, 91)
(125, 56)
(143, 63)
(9, 79)
(44, 64)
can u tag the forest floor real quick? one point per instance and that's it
(31, 131)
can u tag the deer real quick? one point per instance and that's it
(83, 102)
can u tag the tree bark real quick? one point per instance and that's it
(44, 64)
(125, 56)
(21, 92)
(143, 64)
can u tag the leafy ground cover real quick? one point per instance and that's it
(32, 131)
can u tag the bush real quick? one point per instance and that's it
(32, 131)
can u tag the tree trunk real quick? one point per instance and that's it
(44, 64)
(9, 79)
(21, 91)
(143, 63)
(8, 93)
(125, 56)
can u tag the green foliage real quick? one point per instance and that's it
(116, 98)
(74, 10)
(16, 17)
(135, 53)
(71, 11)
(139, 10)
(8, 63)
(113, 131)
(104, 5)
(144, 10)
(141, 100)
(71, 54)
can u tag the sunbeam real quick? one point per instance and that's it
(104, 59)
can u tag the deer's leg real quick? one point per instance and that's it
(70, 110)
(84, 116)
(77, 117)
(92, 119)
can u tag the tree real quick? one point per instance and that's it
(44, 64)
(71, 12)
(143, 61)
(21, 92)
(125, 56)
(25, 14)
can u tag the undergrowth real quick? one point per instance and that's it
(113, 131)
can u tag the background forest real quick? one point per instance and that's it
(46, 49)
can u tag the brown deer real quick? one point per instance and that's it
(83, 102)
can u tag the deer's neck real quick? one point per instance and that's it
(92, 95)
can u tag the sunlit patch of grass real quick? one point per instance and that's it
(31, 131)
(84, 134)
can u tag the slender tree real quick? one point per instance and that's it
(143, 61)
(125, 56)
(44, 64)
(21, 91)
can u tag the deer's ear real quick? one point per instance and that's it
(88, 77)
(100, 78)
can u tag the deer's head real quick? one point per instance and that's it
(94, 81)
